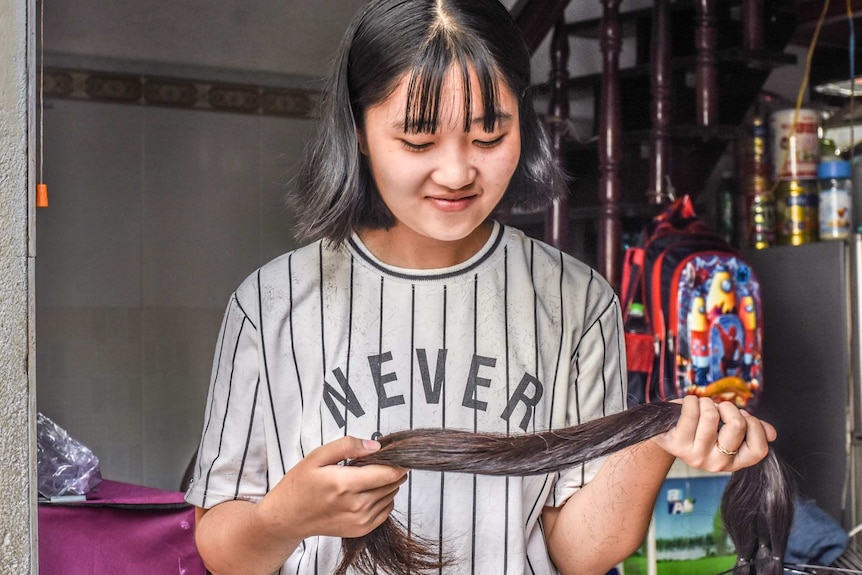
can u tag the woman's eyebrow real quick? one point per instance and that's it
(501, 118)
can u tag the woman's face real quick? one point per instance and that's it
(441, 187)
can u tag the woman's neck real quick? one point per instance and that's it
(400, 247)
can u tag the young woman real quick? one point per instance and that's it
(413, 308)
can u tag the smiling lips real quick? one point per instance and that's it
(453, 204)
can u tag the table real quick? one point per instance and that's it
(121, 528)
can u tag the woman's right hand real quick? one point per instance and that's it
(318, 496)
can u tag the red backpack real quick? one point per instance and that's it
(702, 314)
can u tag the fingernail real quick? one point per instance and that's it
(370, 444)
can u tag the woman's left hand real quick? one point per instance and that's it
(700, 442)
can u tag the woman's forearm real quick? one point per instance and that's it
(233, 539)
(606, 520)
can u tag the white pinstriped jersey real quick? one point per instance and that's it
(324, 342)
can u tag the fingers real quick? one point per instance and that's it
(717, 436)
(319, 496)
(355, 479)
(771, 433)
(689, 416)
(741, 441)
(343, 448)
(732, 433)
(757, 440)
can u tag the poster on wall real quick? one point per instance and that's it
(687, 534)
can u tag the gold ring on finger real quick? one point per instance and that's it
(726, 452)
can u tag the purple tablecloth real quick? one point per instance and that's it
(122, 528)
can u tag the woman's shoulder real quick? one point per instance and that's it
(281, 272)
(545, 257)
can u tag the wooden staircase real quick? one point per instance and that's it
(661, 124)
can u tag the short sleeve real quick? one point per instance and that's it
(231, 462)
(597, 385)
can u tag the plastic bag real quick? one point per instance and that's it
(64, 465)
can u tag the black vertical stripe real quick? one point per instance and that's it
(604, 360)
(586, 297)
(578, 400)
(620, 355)
(536, 508)
(209, 415)
(239, 305)
(225, 415)
(530, 565)
(266, 371)
(508, 394)
(561, 296)
(548, 559)
(443, 425)
(412, 384)
(535, 323)
(323, 372)
(349, 342)
(577, 388)
(380, 341)
(292, 344)
(475, 415)
(322, 329)
(303, 545)
(247, 439)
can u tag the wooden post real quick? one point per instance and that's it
(610, 146)
(660, 77)
(557, 215)
(752, 24)
(706, 78)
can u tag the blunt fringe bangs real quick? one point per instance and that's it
(334, 193)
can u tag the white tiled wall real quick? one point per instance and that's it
(155, 216)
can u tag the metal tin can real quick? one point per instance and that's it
(795, 144)
(796, 211)
(762, 221)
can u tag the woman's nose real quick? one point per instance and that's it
(454, 169)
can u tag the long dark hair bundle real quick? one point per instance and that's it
(757, 504)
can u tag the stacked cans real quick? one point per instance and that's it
(758, 206)
(795, 157)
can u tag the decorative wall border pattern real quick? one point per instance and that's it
(178, 93)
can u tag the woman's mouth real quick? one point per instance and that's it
(452, 204)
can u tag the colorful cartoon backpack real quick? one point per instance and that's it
(702, 326)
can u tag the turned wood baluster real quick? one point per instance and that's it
(610, 146)
(660, 77)
(706, 78)
(752, 24)
(557, 215)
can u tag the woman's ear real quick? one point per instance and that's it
(363, 144)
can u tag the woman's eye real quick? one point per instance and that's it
(415, 147)
(489, 143)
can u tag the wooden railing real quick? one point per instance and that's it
(537, 18)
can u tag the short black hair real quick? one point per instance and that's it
(334, 193)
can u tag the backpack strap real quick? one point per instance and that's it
(633, 273)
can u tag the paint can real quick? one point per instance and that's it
(795, 144)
